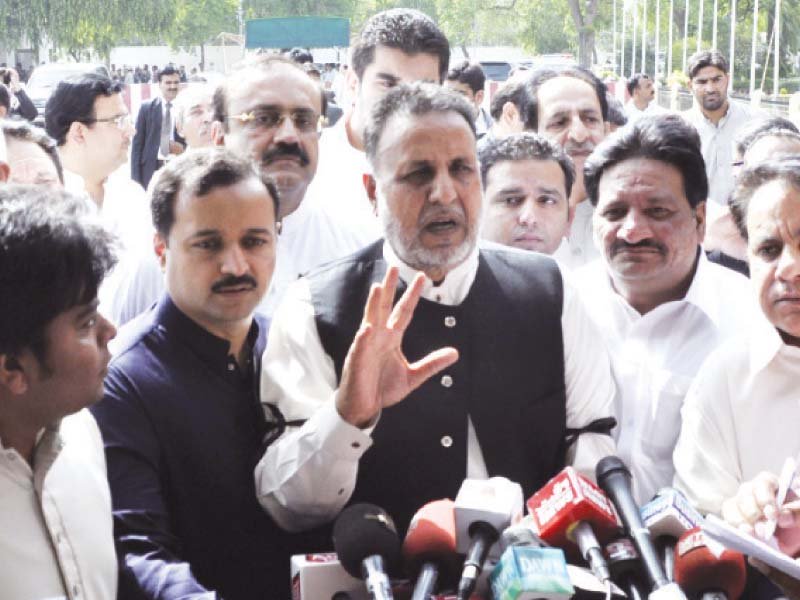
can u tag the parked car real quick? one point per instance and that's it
(45, 78)
(496, 70)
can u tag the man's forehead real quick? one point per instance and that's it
(113, 102)
(535, 172)
(405, 66)
(709, 72)
(277, 84)
(416, 132)
(565, 93)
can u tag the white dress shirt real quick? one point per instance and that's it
(338, 187)
(306, 477)
(655, 356)
(717, 146)
(582, 249)
(634, 113)
(56, 521)
(741, 417)
(125, 212)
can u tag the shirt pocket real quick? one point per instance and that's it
(662, 418)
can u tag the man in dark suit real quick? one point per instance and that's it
(155, 141)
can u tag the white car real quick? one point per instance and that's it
(45, 78)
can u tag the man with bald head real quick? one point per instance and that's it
(373, 407)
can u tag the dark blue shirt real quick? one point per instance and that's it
(183, 430)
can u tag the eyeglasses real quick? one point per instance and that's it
(304, 120)
(121, 121)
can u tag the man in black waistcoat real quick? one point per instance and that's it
(497, 365)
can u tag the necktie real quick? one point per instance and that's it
(165, 131)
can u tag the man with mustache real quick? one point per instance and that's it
(661, 305)
(87, 117)
(181, 419)
(716, 119)
(569, 106)
(374, 408)
(268, 110)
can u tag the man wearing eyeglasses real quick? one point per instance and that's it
(270, 110)
(87, 117)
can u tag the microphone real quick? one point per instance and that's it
(571, 509)
(615, 479)
(430, 547)
(707, 570)
(525, 572)
(668, 516)
(522, 533)
(367, 544)
(623, 561)
(483, 508)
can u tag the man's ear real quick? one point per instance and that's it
(351, 81)
(371, 187)
(160, 248)
(5, 171)
(76, 132)
(12, 375)
(479, 98)
(700, 217)
(218, 133)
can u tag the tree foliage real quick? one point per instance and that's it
(538, 26)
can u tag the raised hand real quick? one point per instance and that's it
(376, 373)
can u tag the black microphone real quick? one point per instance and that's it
(615, 479)
(623, 560)
(368, 547)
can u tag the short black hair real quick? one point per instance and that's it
(706, 58)
(634, 81)
(525, 146)
(24, 131)
(665, 138)
(73, 100)
(415, 99)
(5, 97)
(263, 62)
(782, 168)
(167, 71)
(616, 113)
(519, 94)
(53, 257)
(300, 56)
(198, 172)
(405, 29)
(469, 73)
(543, 75)
(754, 130)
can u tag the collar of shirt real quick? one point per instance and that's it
(766, 344)
(700, 116)
(47, 448)
(211, 349)
(702, 292)
(452, 290)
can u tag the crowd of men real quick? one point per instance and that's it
(421, 293)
